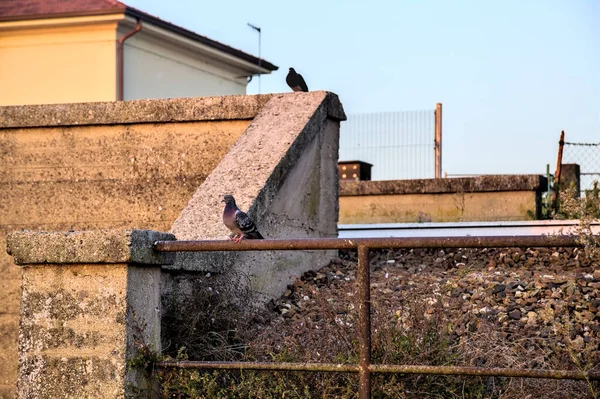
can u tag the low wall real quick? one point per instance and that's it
(132, 164)
(481, 198)
(137, 164)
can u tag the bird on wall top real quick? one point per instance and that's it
(296, 81)
(238, 222)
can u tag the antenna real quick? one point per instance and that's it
(256, 28)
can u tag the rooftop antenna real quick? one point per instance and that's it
(256, 28)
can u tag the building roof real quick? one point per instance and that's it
(20, 10)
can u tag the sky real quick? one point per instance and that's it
(510, 74)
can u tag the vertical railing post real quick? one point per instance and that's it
(438, 140)
(364, 322)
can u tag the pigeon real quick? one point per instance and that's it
(296, 81)
(238, 222)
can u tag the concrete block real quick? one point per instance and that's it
(570, 176)
(95, 246)
(86, 305)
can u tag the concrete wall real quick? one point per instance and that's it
(58, 64)
(155, 68)
(483, 198)
(129, 164)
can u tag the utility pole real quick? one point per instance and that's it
(256, 28)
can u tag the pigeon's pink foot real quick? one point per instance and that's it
(238, 239)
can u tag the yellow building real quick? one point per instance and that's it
(56, 51)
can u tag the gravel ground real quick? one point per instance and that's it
(508, 307)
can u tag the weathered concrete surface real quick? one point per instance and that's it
(107, 176)
(95, 246)
(483, 198)
(132, 164)
(79, 320)
(133, 112)
(462, 207)
(283, 171)
(489, 183)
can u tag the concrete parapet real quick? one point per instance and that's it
(133, 112)
(465, 199)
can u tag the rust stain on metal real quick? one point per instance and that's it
(480, 371)
(364, 322)
(387, 369)
(325, 367)
(371, 243)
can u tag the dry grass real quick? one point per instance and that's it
(415, 331)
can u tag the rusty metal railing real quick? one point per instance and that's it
(365, 368)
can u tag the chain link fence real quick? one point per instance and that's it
(587, 156)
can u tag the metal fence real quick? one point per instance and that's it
(399, 145)
(365, 368)
(587, 156)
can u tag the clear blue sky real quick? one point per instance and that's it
(511, 74)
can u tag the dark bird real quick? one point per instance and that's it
(296, 81)
(238, 222)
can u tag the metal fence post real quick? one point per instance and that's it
(438, 140)
(364, 322)
(555, 193)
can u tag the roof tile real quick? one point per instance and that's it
(27, 9)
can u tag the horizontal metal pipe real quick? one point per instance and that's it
(488, 372)
(371, 243)
(327, 367)
(387, 369)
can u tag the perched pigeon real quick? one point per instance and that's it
(238, 222)
(296, 81)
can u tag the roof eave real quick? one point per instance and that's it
(132, 12)
(266, 66)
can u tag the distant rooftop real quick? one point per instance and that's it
(20, 10)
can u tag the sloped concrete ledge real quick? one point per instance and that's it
(136, 111)
(96, 246)
(283, 172)
(490, 183)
